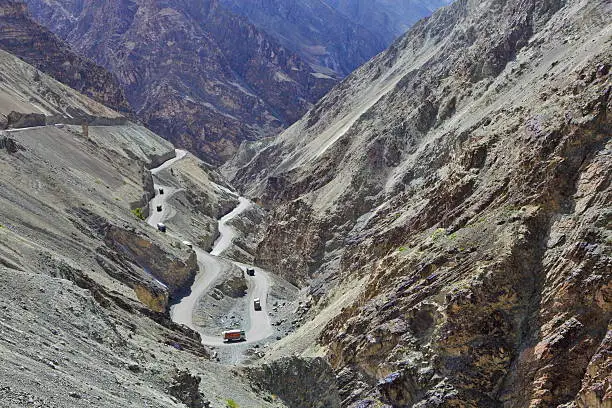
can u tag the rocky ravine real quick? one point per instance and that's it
(85, 283)
(448, 205)
(196, 74)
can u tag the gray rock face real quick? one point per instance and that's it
(22, 120)
(300, 383)
(202, 77)
(185, 387)
(455, 188)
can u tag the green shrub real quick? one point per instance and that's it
(230, 403)
(138, 213)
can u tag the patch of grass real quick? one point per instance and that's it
(230, 403)
(138, 213)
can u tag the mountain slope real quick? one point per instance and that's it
(448, 206)
(324, 37)
(387, 18)
(196, 74)
(84, 282)
(23, 37)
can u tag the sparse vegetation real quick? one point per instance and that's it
(138, 213)
(438, 234)
(230, 403)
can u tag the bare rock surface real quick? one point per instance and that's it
(328, 40)
(27, 91)
(447, 207)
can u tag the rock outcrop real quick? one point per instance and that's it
(201, 77)
(464, 176)
(175, 273)
(299, 382)
(35, 44)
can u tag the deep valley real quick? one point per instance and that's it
(430, 228)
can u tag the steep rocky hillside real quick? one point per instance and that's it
(448, 205)
(201, 77)
(387, 18)
(331, 42)
(85, 283)
(23, 37)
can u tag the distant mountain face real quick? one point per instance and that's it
(200, 76)
(326, 38)
(334, 36)
(387, 18)
(23, 37)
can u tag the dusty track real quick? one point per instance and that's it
(212, 265)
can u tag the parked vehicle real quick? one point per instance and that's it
(257, 304)
(161, 227)
(161, 191)
(188, 244)
(234, 335)
(59, 125)
(250, 271)
(159, 208)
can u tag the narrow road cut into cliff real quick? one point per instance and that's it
(212, 266)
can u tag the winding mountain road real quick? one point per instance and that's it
(212, 265)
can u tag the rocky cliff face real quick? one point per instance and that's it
(196, 74)
(464, 175)
(328, 40)
(23, 37)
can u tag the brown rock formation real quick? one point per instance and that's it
(175, 273)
